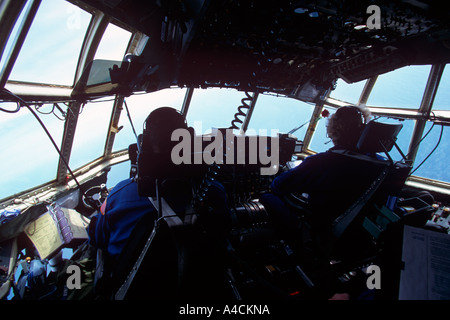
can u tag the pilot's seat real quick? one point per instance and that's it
(348, 237)
(381, 196)
(173, 259)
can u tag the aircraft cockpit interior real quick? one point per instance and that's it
(225, 150)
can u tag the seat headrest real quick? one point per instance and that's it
(133, 153)
(378, 137)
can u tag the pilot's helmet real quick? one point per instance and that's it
(159, 126)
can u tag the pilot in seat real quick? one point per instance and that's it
(329, 182)
(128, 214)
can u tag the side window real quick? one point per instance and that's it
(50, 51)
(402, 88)
(113, 44)
(442, 99)
(30, 158)
(91, 132)
(433, 152)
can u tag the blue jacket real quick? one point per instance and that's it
(123, 209)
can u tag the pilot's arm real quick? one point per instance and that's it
(298, 179)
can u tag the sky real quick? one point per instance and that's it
(50, 55)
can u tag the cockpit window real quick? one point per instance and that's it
(113, 44)
(90, 136)
(139, 107)
(402, 88)
(31, 159)
(285, 115)
(442, 99)
(434, 151)
(51, 49)
(50, 55)
(348, 92)
(214, 108)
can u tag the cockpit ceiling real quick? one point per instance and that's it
(281, 46)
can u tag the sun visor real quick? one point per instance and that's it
(96, 79)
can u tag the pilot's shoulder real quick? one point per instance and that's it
(125, 185)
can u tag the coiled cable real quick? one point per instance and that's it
(245, 105)
(213, 170)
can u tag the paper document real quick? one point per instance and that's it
(426, 270)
